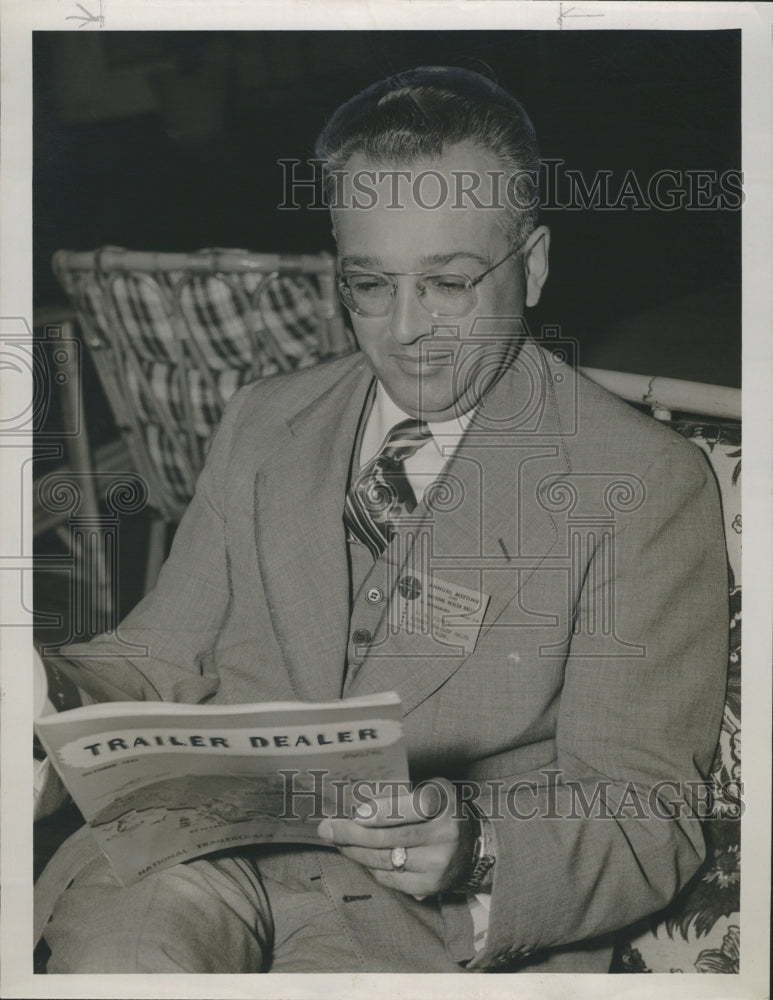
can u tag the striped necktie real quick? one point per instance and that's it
(381, 492)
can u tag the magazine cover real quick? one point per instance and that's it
(159, 783)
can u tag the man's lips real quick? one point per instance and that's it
(434, 360)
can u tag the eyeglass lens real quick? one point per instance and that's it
(440, 294)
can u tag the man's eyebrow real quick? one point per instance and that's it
(440, 259)
(357, 260)
(426, 260)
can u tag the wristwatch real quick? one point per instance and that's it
(483, 857)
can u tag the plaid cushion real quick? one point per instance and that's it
(226, 318)
(243, 312)
(170, 455)
(196, 336)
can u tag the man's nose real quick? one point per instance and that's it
(409, 320)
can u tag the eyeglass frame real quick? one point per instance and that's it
(472, 282)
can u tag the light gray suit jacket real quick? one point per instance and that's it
(600, 662)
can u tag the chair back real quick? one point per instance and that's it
(174, 335)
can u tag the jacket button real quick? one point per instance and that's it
(361, 637)
(374, 595)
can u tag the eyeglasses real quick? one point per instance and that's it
(443, 294)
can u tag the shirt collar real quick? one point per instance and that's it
(385, 413)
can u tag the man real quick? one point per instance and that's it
(578, 692)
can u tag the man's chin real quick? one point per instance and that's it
(433, 407)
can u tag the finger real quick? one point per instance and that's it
(375, 860)
(418, 860)
(389, 810)
(423, 804)
(348, 833)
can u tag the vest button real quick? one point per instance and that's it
(361, 637)
(409, 587)
(374, 595)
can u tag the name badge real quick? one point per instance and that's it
(446, 612)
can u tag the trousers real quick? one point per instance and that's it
(220, 914)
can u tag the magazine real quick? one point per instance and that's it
(159, 782)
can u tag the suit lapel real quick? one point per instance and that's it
(299, 497)
(491, 532)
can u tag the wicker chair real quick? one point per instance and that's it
(174, 335)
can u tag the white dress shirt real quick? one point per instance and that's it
(423, 467)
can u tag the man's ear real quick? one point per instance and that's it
(536, 265)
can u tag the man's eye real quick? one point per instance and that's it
(368, 284)
(447, 284)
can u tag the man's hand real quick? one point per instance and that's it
(438, 836)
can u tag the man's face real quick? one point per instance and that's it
(430, 366)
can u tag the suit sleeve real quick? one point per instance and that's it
(163, 649)
(637, 733)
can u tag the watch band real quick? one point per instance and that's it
(483, 858)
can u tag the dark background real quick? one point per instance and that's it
(170, 141)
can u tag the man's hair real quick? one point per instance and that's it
(421, 112)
